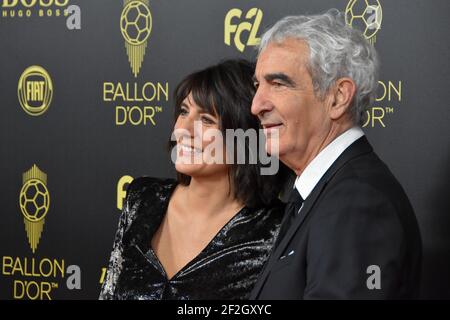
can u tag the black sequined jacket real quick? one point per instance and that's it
(227, 268)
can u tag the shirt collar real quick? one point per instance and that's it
(315, 170)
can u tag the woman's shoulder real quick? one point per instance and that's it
(144, 208)
(149, 187)
(147, 182)
(276, 205)
(271, 214)
(255, 224)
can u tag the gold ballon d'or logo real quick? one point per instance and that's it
(34, 201)
(365, 15)
(136, 26)
(35, 90)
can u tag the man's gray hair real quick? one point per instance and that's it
(336, 51)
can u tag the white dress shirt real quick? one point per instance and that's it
(315, 170)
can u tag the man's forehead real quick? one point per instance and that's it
(288, 57)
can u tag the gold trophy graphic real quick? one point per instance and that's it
(34, 201)
(136, 26)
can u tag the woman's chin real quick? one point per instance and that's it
(189, 169)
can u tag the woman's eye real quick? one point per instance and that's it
(183, 112)
(207, 120)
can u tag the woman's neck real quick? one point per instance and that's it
(210, 195)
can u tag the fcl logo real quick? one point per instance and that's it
(34, 201)
(366, 15)
(136, 26)
(35, 90)
(237, 29)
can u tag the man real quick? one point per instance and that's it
(349, 231)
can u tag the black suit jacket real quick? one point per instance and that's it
(356, 217)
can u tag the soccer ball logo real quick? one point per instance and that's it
(365, 15)
(34, 200)
(136, 23)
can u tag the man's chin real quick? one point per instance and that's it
(273, 147)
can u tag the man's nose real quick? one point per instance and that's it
(260, 103)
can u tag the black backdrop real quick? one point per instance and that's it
(85, 151)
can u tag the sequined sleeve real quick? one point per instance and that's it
(108, 291)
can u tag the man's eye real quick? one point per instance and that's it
(256, 84)
(277, 84)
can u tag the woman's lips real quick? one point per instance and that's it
(186, 150)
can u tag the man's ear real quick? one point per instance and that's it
(341, 97)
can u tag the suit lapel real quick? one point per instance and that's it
(358, 148)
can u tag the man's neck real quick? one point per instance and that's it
(300, 162)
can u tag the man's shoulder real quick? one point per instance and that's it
(365, 187)
(368, 173)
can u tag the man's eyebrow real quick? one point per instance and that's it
(280, 76)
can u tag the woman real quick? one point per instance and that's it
(207, 234)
